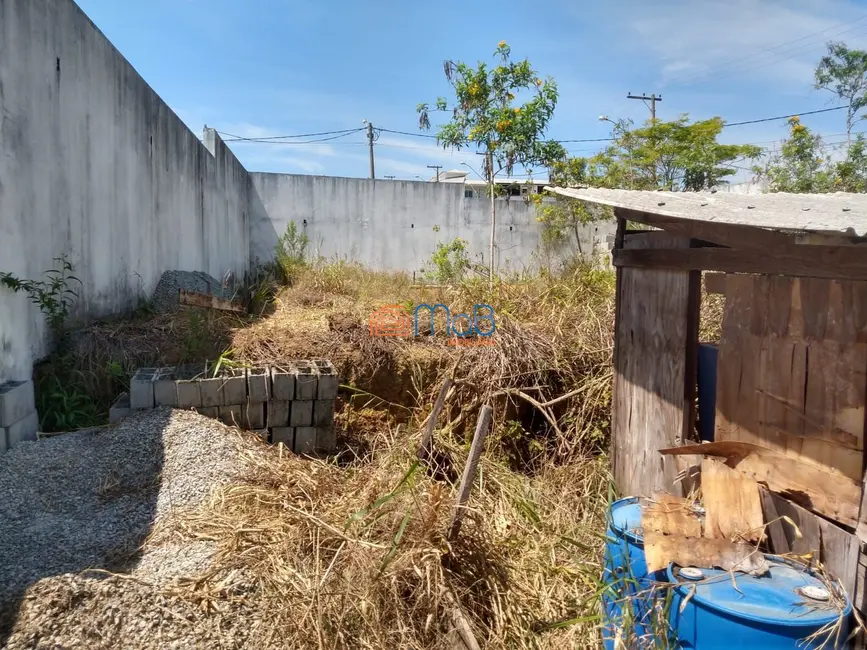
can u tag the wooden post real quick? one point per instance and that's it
(654, 367)
(483, 425)
(424, 447)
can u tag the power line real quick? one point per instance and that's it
(284, 137)
(750, 58)
(785, 117)
(792, 53)
(273, 141)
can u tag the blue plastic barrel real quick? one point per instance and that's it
(707, 363)
(777, 611)
(629, 598)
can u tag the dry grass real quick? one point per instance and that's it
(356, 557)
(350, 552)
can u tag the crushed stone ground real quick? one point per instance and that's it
(87, 500)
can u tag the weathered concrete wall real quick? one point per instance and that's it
(394, 224)
(94, 165)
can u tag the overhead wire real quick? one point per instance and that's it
(692, 77)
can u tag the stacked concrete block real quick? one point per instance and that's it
(294, 401)
(18, 418)
(141, 389)
(120, 409)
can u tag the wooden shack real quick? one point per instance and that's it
(791, 381)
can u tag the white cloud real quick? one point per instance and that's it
(742, 39)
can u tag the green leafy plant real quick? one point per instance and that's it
(53, 294)
(675, 155)
(843, 71)
(449, 263)
(63, 407)
(290, 252)
(802, 164)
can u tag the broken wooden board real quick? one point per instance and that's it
(661, 550)
(823, 491)
(670, 515)
(192, 299)
(732, 503)
(820, 539)
(792, 368)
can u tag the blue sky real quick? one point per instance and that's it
(277, 67)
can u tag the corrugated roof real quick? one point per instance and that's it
(841, 213)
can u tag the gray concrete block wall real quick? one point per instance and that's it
(18, 418)
(283, 399)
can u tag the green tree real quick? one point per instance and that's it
(486, 115)
(852, 172)
(844, 72)
(802, 165)
(672, 155)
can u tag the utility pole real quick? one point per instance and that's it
(652, 105)
(490, 159)
(370, 143)
(438, 168)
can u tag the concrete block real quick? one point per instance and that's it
(188, 379)
(120, 409)
(166, 387)
(231, 415)
(301, 413)
(210, 391)
(233, 390)
(328, 380)
(17, 401)
(259, 385)
(24, 429)
(209, 411)
(278, 413)
(323, 413)
(253, 416)
(188, 393)
(141, 389)
(283, 382)
(305, 440)
(286, 435)
(305, 380)
(326, 438)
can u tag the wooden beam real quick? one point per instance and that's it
(735, 236)
(193, 299)
(831, 262)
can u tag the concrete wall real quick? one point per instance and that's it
(94, 165)
(388, 224)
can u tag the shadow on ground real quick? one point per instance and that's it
(78, 501)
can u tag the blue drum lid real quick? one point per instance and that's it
(772, 598)
(625, 517)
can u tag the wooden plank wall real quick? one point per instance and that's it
(654, 379)
(792, 369)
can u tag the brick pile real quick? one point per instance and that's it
(290, 402)
(18, 418)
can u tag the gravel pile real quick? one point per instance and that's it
(87, 500)
(166, 294)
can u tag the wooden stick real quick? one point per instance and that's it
(483, 425)
(460, 623)
(427, 439)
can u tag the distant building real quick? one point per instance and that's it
(474, 187)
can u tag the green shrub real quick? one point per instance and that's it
(290, 253)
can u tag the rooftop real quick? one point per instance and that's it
(838, 213)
